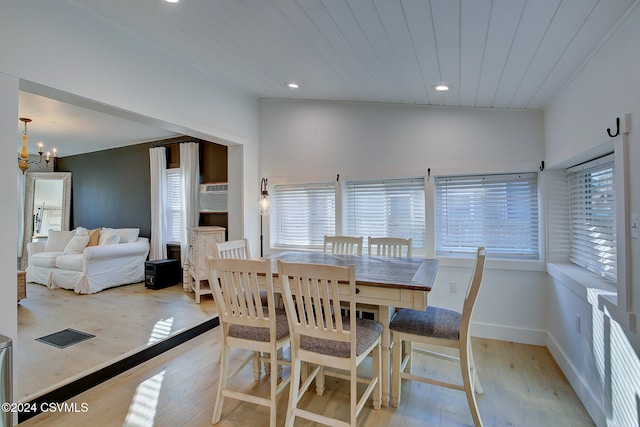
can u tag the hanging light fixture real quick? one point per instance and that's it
(264, 206)
(23, 160)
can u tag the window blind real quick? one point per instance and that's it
(593, 217)
(302, 214)
(499, 212)
(386, 208)
(173, 206)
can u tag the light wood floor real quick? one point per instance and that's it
(123, 320)
(523, 387)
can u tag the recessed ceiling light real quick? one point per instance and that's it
(292, 85)
(441, 87)
(172, 1)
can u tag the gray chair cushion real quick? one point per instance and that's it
(433, 322)
(367, 331)
(261, 334)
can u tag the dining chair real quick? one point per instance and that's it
(247, 324)
(343, 245)
(390, 246)
(439, 327)
(238, 249)
(325, 340)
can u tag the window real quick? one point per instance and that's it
(593, 216)
(388, 208)
(302, 214)
(499, 212)
(173, 206)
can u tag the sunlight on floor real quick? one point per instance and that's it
(142, 410)
(161, 330)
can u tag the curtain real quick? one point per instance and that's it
(22, 179)
(158, 166)
(190, 178)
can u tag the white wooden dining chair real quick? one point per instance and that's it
(343, 245)
(247, 324)
(439, 327)
(238, 249)
(390, 246)
(320, 338)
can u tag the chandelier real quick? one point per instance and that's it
(23, 160)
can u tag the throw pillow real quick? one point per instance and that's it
(76, 245)
(94, 237)
(80, 231)
(58, 240)
(127, 235)
(109, 238)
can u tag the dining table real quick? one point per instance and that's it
(384, 282)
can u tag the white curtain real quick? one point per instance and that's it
(22, 179)
(190, 179)
(158, 167)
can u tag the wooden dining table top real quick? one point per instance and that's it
(401, 272)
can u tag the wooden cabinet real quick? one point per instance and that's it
(201, 244)
(22, 285)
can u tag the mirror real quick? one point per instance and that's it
(47, 203)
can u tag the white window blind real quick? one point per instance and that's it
(499, 212)
(173, 206)
(386, 208)
(593, 217)
(302, 214)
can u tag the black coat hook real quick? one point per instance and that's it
(617, 128)
(541, 166)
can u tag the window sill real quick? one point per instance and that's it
(495, 264)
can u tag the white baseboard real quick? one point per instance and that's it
(576, 380)
(509, 333)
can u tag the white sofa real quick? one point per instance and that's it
(88, 263)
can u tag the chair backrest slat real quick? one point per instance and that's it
(238, 249)
(472, 291)
(235, 287)
(343, 245)
(390, 246)
(312, 296)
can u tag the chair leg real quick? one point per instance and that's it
(273, 363)
(468, 385)
(354, 397)
(294, 389)
(396, 376)
(376, 363)
(222, 383)
(476, 380)
(320, 384)
(256, 365)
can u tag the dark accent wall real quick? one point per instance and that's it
(111, 188)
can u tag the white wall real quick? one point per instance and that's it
(601, 360)
(302, 141)
(60, 46)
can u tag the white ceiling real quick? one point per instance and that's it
(493, 53)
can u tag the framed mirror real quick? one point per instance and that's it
(47, 205)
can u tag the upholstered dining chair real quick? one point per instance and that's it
(343, 245)
(439, 327)
(238, 249)
(320, 337)
(390, 246)
(247, 324)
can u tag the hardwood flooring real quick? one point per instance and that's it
(123, 319)
(523, 387)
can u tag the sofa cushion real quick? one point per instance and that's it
(69, 262)
(77, 244)
(94, 237)
(127, 235)
(108, 237)
(45, 259)
(57, 240)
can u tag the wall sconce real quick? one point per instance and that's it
(264, 207)
(23, 160)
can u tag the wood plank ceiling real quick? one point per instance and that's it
(492, 53)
